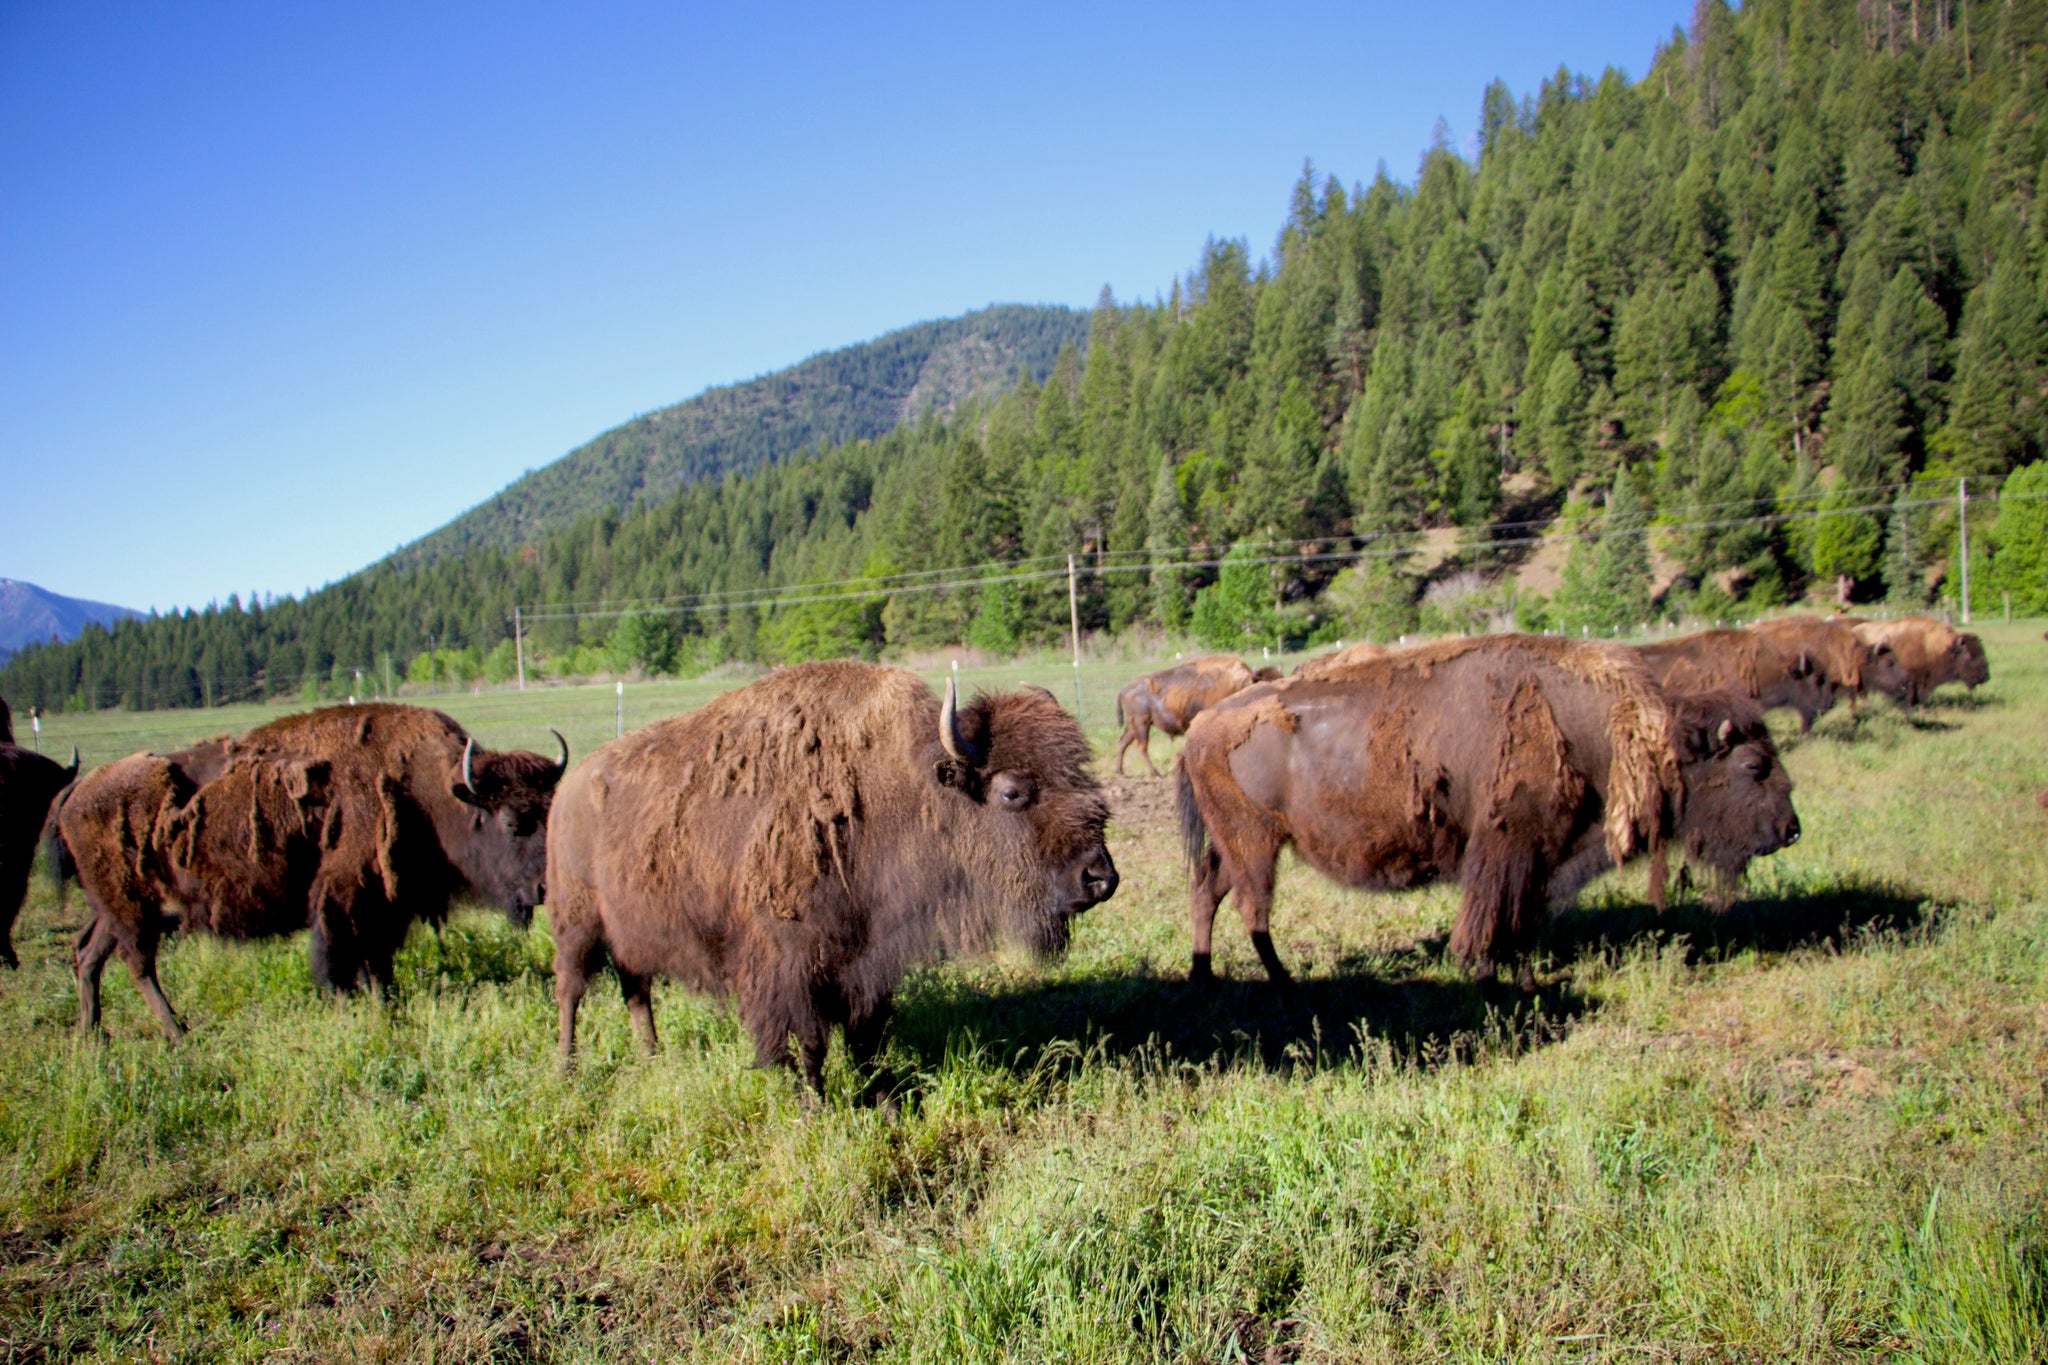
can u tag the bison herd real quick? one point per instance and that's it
(798, 844)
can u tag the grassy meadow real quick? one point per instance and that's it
(1814, 1128)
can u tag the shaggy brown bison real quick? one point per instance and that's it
(1173, 697)
(1847, 665)
(1521, 765)
(1773, 668)
(351, 821)
(1930, 653)
(798, 843)
(28, 784)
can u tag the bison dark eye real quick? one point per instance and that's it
(1756, 765)
(1012, 792)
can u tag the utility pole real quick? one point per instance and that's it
(1074, 625)
(519, 646)
(620, 728)
(1963, 520)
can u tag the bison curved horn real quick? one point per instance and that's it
(562, 763)
(1725, 733)
(468, 752)
(949, 731)
(72, 771)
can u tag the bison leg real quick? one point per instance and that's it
(1255, 907)
(864, 1030)
(1502, 908)
(13, 891)
(1206, 889)
(139, 955)
(90, 951)
(639, 1006)
(331, 951)
(576, 951)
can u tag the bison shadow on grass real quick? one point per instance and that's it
(1317, 1021)
(1389, 998)
(1833, 915)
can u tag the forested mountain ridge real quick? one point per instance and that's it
(1757, 311)
(853, 393)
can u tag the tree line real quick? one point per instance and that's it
(1736, 330)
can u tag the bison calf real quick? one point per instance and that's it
(1519, 765)
(798, 843)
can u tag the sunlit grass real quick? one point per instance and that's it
(1810, 1129)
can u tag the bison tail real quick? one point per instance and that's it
(57, 859)
(1119, 709)
(1194, 834)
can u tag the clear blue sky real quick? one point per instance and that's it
(285, 286)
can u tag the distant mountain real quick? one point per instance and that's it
(29, 614)
(855, 393)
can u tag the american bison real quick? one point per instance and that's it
(1173, 697)
(1849, 666)
(1521, 765)
(798, 843)
(1807, 672)
(1930, 653)
(28, 783)
(351, 821)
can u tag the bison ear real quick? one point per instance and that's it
(951, 772)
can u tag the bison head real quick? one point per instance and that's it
(1967, 663)
(1738, 797)
(1882, 671)
(499, 840)
(1019, 762)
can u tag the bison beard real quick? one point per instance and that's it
(1521, 765)
(799, 843)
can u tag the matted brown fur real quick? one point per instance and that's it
(351, 821)
(799, 842)
(1520, 764)
(1171, 698)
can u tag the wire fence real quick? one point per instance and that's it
(380, 679)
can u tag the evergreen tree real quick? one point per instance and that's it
(1166, 534)
(1904, 587)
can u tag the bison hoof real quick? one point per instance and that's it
(1199, 973)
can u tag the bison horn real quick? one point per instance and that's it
(949, 730)
(468, 752)
(72, 771)
(562, 763)
(1725, 733)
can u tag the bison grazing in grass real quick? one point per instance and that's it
(1173, 697)
(28, 783)
(1847, 665)
(1519, 765)
(1739, 661)
(1929, 652)
(351, 821)
(800, 842)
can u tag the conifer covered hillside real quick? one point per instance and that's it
(1755, 314)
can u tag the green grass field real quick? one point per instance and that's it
(1811, 1129)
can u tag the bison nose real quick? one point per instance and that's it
(1098, 881)
(1792, 832)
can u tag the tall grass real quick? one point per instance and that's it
(1810, 1129)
